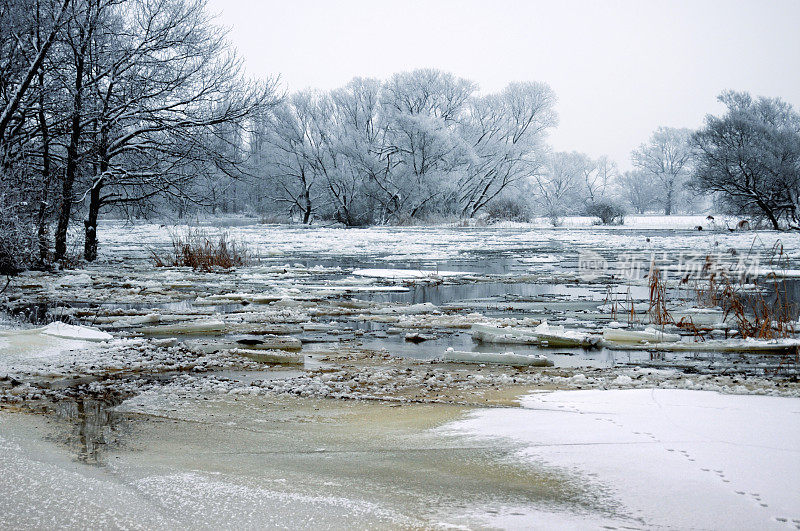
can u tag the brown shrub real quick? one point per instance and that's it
(198, 250)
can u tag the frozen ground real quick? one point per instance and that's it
(184, 419)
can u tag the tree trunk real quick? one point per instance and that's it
(770, 216)
(668, 202)
(72, 162)
(307, 210)
(90, 224)
(41, 221)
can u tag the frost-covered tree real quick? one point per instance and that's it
(361, 190)
(113, 103)
(575, 183)
(666, 158)
(418, 145)
(31, 104)
(422, 110)
(168, 75)
(600, 179)
(639, 190)
(560, 187)
(506, 136)
(301, 155)
(750, 156)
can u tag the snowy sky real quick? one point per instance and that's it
(620, 68)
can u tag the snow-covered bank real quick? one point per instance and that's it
(672, 458)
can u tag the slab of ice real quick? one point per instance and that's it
(255, 298)
(80, 279)
(505, 358)
(719, 345)
(187, 327)
(271, 342)
(261, 343)
(63, 331)
(411, 309)
(136, 320)
(702, 316)
(558, 336)
(270, 356)
(417, 337)
(649, 335)
(543, 334)
(504, 335)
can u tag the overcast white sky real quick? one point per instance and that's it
(620, 68)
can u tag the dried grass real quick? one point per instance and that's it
(196, 249)
(761, 314)
(657, 311)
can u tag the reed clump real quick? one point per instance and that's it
(197, 249)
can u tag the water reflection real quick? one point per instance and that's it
(91, 423)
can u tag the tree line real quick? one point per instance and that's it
(425, 145)
(418, 145)
(141, 107)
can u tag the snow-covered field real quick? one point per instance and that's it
(671, 458)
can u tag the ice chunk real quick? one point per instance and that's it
(417, 337)
(504, 335)
(718, 345)
(411, 309)
(407, 274)
(80, 279)
(505, 358)
(191, 327)
(80, 333)
(136, 320)
(544, 334)
(650, 335)
(622, 379)
(270, 356)
(271, 342)
(248, 343)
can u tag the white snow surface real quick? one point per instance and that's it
(396, 244)
(672, 458)
(23, 349)
(80, 333)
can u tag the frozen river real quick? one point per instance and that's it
(166, 415)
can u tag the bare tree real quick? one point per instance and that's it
(301, 156)
(559, 188)
(506, 133)
(751, 157)
(639, 190)
(169, 75)
(422, 109)
(29, 29)
(666, 157)
(30, 33)
(420, 144)
(83, 31)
